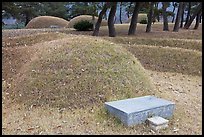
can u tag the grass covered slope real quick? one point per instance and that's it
(78, 73)
(168, 59)
(29, 40)
(46, 22)
(161, 42)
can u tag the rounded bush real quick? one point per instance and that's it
(144, 21)
(83, 25)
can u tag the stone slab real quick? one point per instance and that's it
(136, 110)
(157, 121)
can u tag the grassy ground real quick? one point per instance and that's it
(121, 30)
(43, 65)
(168, 59)
(160, 42)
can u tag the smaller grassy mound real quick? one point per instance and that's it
(139, 19)
(30, 39)
(168, 59)
(46, 22)
(78, 73)
(180, 43)
(84, 17)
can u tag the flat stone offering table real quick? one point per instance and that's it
(135, 111)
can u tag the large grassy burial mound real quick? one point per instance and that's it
(85, 17)
(47, 22)
(78, 73)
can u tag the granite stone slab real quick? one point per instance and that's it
(136, 110)
(157, 123)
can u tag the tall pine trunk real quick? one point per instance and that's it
(27, 17)
(111, 16)
(133, 24)
(198, 9)
(121, 13)
(178, 17)
(150, 17)
(197, 20)
(188, 13)
(173, 11)
(93, 16)
(165, 20)
(128, 13)
(157, 6)
(182, 15)
(201, 18)
(98, 23)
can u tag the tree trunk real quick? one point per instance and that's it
(128, 13)
(98, 23)
(93, 16)
(27, 19)
(105, 16)
(197, 20)
(173, 11)
(201, 18)
(150, 17)
(111, 16)
(165, 20)
(182, 14)
(157, 6)
(188, 13)
(178, 17)
(198, 9)
(133, 24)
(121, 13)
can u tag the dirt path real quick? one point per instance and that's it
(184, 90)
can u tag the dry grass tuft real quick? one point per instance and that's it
(46, 22)
(84, 17)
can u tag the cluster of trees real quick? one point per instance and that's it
(150, 6)
(25, 11)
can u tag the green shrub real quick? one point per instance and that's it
(83, 25)
(144, 21)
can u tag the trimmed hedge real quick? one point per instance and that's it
(83, 25)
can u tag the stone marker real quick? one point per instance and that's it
(157, 123)
(136, 110)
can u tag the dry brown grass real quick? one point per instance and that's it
(168, 59)
(30, 39)
(19, 64)
(84, 17)
(159, 42)
(46, 22)
(184, 90)
(121, 30)
(157, 32)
